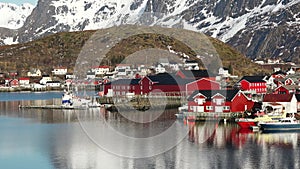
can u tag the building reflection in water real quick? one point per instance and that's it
(62, 140)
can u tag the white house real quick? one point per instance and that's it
(24, 81)
(288, 102)
(224, 72)
(91, 75)
(45, 79)
(143, 70)
(191, 64)
(160, 69)
(70, 76)
(291, 72)
(123, 69)
(34, 73)
(174, 66)
(53, 84)
(100, 70)
(60, 71)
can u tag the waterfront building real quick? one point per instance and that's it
(254, 84)
(288, 102)
(287, 89)
(24, 81)
(220, 101)
(165, 83)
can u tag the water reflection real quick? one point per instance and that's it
(55, 139)
(230, 134)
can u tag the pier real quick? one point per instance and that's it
(50, 107)
(201, 116)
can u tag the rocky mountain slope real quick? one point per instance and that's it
(257, 28)
(63, 49)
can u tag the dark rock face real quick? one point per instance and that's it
(257, 28)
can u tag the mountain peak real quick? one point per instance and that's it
(14, 16)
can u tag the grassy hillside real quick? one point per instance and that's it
(62, 49)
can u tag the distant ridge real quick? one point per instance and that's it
(62, 49)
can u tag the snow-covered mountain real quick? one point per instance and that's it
(257, 28)
(14, 16)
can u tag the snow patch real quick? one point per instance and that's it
(14, 16)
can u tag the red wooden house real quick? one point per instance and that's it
(202, 84)
(13, 83)
(221, 101)
(157, 84)
(279, 75)
(253, 83)
(284, 81)
(287, 89)
(123, 86)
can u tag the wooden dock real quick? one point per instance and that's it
(51, 107)
(199, 116)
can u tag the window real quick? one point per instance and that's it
(218, 101)
(226, 108)
(199, 101)
(209, 107)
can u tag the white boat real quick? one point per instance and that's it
(284, 124)
(69, 100)
(181, 110)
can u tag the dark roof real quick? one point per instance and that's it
(125, 82)
(168, 79)
(196, 74)
(278, 97)
(280, 72)
(173, 62)
(191, 61)
(90, 73)
(53, 82)
(229, 94)
(253, 79)
(298, 97)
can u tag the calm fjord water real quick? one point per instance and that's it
(56, 139)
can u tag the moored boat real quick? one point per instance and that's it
(289, 123)
(181, 110)
(250, 122)
(246, 123)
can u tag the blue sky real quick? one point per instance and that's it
(19, 2)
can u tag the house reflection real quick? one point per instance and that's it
(220, 135)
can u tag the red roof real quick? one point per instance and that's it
(24, 78)
(278, 97)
